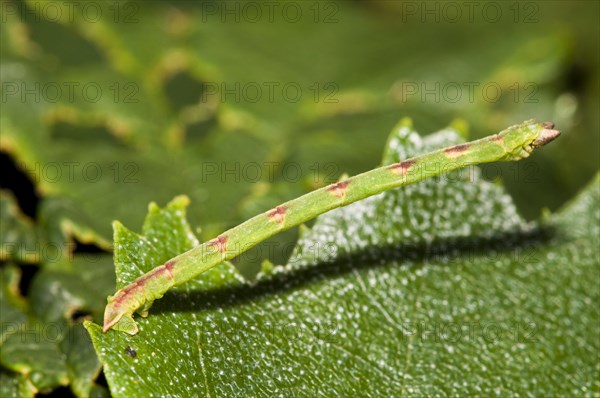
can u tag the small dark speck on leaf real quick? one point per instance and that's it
(131, 352)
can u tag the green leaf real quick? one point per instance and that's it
(40, 342)
(438, 288)
(51, 238)
(12, 316)
(19, 241)
(14, 385)
(43, 344)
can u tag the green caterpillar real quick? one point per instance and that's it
(515, 143)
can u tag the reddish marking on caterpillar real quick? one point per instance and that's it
(122, 295)
(169, 265)
(457, 150)
(219, 243)
(339, 188)
(139, 283)
(402, 167)
(277, 214)
(497, 138)
(163, 269)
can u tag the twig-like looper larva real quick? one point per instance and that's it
(514, 143)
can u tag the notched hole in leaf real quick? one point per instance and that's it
(183, 90)
(78, 316)
(87, 248)
(51, 36)
(101, 379)
(60, 392)
(200, 130)
(85, 135)
(28, 272)
(19, 183)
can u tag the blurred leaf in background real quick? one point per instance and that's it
(107, 106)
